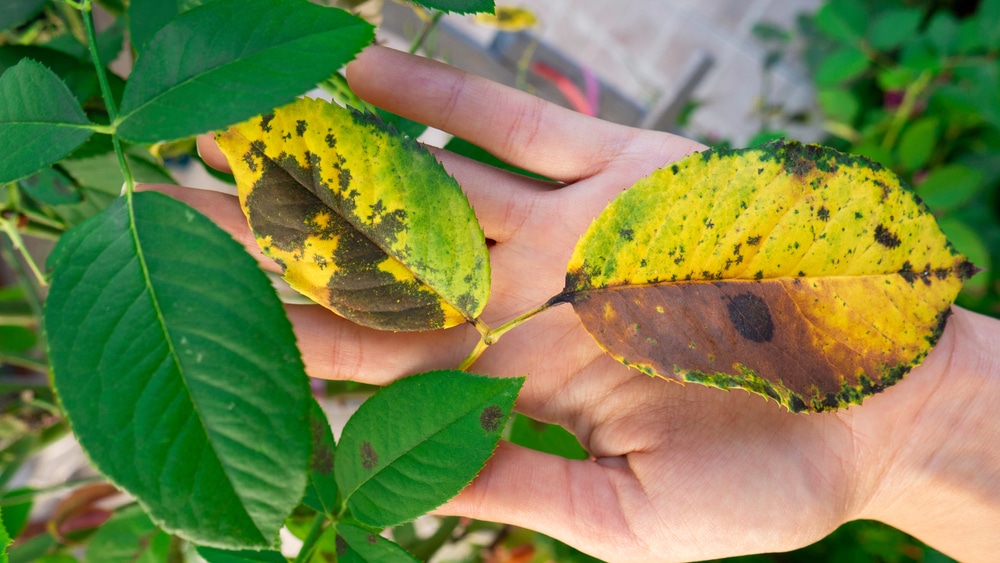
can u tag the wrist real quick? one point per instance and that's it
(928, 449)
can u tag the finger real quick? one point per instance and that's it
(209, 151)
(578, 502)
(515, 126)
(335, 348)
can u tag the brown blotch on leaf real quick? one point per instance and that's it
(490, 418)
(967, 269)
(754, 240)
(751, 317)
(372, 539)
(885, 237)
(369, 459)
(341, 546)
(322, 455)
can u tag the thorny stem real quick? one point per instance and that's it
(109, 100)
(490, 336)
(418, 42)
(309, 543)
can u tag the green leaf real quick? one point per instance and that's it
(843, 65)
(16, 12)
(917, 143)
(178, 370)
(896, 78)
(844, 20)
(894, 27)
(464, 148)
(16, 339)
(50, 186)
(363, 220)
(548, 438)
(792, 271)
(128, 537)
(321, 492)
(230, 59)
(40, 120)
(838, 104)
(15, 516)
(943, 33)
(146, 17)
(213, 555)
(417, 442)
(458, 6)
(357, 545)
(969, 39)
(950, 187)
(5, 540)
(78, 75)
(988, 15)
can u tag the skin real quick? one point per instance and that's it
(679, 473)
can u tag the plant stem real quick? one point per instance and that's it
(309, 544)
(490, 336)
(109, 100)
(15, 238)
(425, 32)
(902, 115)
(27, 363)
(426, 548)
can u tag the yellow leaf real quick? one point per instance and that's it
(508, 18)
(361, 219)
(793, 271)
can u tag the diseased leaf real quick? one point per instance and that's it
(227, 60)
(362, 220)
(16, 12)
(548, 438)
(417, 442)
(52, 187)
(321, 492)
(177, 366)
(40, 120)
(357, 545)
(792, 271)
(457, 6)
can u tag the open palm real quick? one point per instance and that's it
(678, 472)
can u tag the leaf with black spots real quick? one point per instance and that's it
(417, 442)
(793, 271)
(362, 220)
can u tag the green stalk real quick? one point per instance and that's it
(902, 115)
(109, 100)
(15, 238)
(425, 549)
(309, 544)
(419, 41)
(490, 336)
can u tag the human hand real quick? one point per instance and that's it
(680, 473)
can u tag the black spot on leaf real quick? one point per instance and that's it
(967, 269)
(490, 418)
(751, 317)
(823, 213)
(759, 275)
(372, 539)
(341, 546)
(265, 123)
(907, 272)
(754, 240)
(885, 237)
(369, 459)
(331, 141)
(627, 234)
(300, 127)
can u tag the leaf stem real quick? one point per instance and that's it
(109, 100)
(490, 336)
(26, 363)
(309, 543)
(10, 228)
(902, 115)
(418, 42)
(426, 548)
(28, 495)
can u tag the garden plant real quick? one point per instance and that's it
(173, 362)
